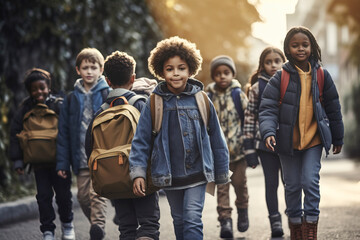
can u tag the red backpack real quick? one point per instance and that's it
(285, 77)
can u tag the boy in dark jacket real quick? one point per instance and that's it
(37, 83)
(77, 111)
(138, 217)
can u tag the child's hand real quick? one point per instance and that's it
(337, 149)
(270, 143)
(139, 187)
(62, 174)
(20, 171)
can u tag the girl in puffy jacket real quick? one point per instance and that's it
(299, 126)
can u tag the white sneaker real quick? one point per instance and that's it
(68, 232)
(47, 235)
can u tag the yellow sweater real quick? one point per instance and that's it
(306, 133)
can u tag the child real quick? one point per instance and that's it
(37, 82)
(302, 125)
(185, 155)
(76, 114)
(271, 60)
(223, 71)
(138, 217)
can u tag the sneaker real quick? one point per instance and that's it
(243, 220)
(68, 232)
(226, 230)
(48, 235)
(96, 232)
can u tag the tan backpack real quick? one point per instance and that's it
(112, 134)
(38, 137)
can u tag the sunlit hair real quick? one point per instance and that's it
(36, 74)
(315, 49)
(261, 68)
(90, 54)
(171, 47)
(119, 67)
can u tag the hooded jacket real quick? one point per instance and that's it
(279, 121)
(204, 152)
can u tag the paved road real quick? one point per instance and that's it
(339, 217)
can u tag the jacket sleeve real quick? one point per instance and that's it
(63, 139)
(269, 107)
(219, 148)
(15, 151)
(251, 113)
(141, 145)
(333, 110)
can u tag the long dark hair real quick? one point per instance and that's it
(315, 49)
(254, 77)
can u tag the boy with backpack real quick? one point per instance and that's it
(76, 113)
(230, 102)
(33, 135)
(108, 144)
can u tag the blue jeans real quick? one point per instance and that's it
(186, 210)
(301, 173)
(48, 182)
(271, 166)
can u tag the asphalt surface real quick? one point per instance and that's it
(339, 206)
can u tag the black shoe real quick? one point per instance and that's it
(276, 225)
(226, 228)
(243, 220)
(96, 232)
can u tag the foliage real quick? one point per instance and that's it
(49, 35)
(217, 27)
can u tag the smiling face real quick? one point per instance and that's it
(300, 50)
(223, 76)
(176, 74)
(272, 62)
(39, 91)
(90, 72)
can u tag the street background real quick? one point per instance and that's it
(339, 206)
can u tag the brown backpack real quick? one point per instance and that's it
(38, 137)
(112, 134)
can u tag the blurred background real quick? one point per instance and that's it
(50, 34)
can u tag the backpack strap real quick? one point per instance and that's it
(122, 97)
(202, 101)
(235, 94)
(285, 77)
(156, 108)
(320, 82)
(135, 98)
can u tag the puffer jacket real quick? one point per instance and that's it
(68, 143)
(210, 145)
(279, 121)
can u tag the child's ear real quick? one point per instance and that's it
(132, 79)
(108, 82)
(77, 70)
(102, 70)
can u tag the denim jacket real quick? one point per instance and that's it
(209, 145)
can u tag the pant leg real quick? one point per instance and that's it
(310, 181)
(62, 188)
(239, 182)
(126, 213)
(223, 201)
(271, 166)
(44, 198)
(98, 208)
(176, 202)
(291, 166)
(83, 195)
(148, 215)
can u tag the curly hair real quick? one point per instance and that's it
(36, 74)
(315, 49)
(92, 55)
(254, 77)
(171, 47)
(119, 67)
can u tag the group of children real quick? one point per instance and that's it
(286, 128)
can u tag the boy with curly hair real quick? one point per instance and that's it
(186, 155)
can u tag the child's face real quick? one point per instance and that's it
(223, 76)
(176, 74)
(300, 48)
(39, 91)
(89, 72)
(272, 63)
